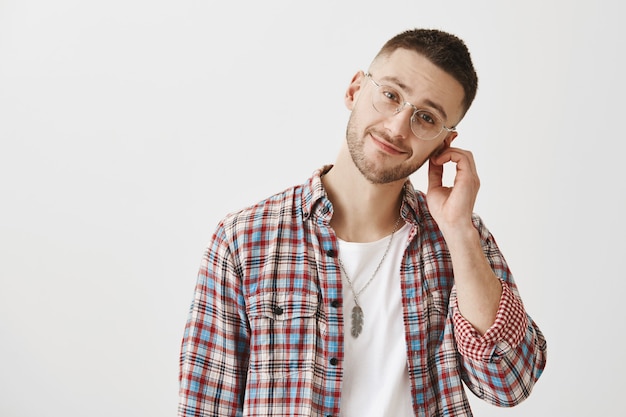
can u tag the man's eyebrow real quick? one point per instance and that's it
(409, 91)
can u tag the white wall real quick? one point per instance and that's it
(128, 128)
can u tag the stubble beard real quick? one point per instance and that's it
(368, 168)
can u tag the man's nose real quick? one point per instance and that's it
(400, 122)
(404, 105)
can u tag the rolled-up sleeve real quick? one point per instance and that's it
(503, 336)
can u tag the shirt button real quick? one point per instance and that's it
(278, 310)
(331, 253)
(335, 303)
(334, 361)
(325, 210)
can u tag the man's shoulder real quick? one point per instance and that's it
(290, 202)
(267, 212)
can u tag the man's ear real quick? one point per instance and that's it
(352, 93)
(448, 140)
(446, 143)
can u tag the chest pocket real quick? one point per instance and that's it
(284, 329)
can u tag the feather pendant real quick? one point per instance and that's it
(357, 321)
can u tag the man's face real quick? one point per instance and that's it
(384, 148)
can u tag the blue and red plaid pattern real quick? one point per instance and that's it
(265, 330)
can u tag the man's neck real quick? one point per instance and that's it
(363, 212)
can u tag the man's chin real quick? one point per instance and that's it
(388, 175)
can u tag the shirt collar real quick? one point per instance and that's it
(315, 201)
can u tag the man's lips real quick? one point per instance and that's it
(385, 145)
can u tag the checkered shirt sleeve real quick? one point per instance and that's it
(502, 364)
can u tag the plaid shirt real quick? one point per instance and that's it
(265, 331)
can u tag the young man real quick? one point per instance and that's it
(354, 294)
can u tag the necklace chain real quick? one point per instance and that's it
(357, 311)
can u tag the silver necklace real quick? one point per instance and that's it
(357, 311)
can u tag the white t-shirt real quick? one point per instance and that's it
(376, 380)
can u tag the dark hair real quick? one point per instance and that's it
(445, 50)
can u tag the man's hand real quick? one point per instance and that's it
(452, 207)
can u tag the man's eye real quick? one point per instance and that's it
(390, 95)
(426, 117)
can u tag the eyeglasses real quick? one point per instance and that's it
(388, 102)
